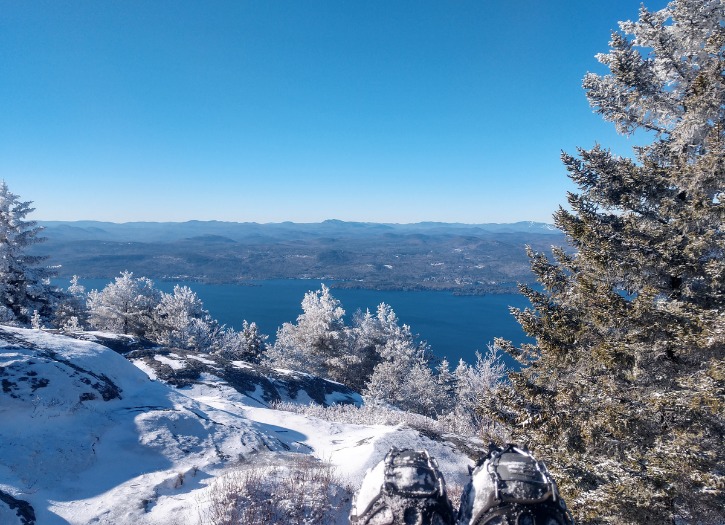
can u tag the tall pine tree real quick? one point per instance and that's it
(23, 280)
(624, 390)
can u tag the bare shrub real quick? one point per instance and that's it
(454, 403)
(374, 415)
(303, 491)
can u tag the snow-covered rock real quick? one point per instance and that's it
(185, 368)
(87, 437)
(81, 423)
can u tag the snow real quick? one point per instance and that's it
(203, 360)
(409, 477)
(87, 437)
(287, 372)
(150, 372)
(97, 334)
(483, 485)
(370, 487)
(176, 364)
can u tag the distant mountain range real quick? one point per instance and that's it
(467, 258)
(253, 232)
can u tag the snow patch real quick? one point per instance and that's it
(145, 368)
(176, 364)
(202, 360)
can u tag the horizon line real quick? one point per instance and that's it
(340, 221)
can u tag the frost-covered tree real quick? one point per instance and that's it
(180, 320)
(404, 377)
(36, 323)
(317, 343)
(385, 325)
(469, 388)
(320, 343)
(24, 282)
(70, 313)
(405, 380)
(376, 355)
(248, 344)
(124, 306)
(368, 336)
(624, 389)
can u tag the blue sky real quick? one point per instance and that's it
(383, 111)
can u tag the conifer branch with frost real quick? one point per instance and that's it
(24, 282)
(624, 389)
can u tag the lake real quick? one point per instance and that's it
(454, 326)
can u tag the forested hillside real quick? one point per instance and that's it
(486, 258)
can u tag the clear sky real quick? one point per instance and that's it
(274, 110)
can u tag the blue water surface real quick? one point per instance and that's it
(454, 326)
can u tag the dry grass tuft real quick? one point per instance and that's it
(302, 491)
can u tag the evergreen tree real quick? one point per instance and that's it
(405, 380)
(624, 390)
(70, 314)
(124, 306)
(475, 386)
(24, 285)
(318, 342)
(180, 320)
(369, 335)
(247, 345)
(404, 377)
